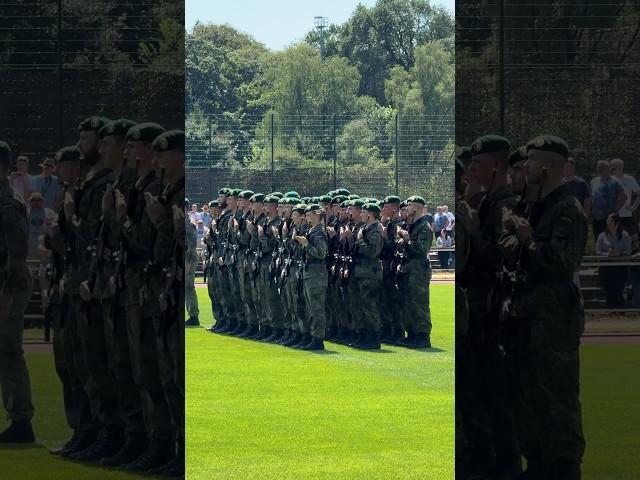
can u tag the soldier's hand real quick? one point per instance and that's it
(153, 207)
(274, 231)
(221, 261)
(302, 240)
(347, 232)
(331, 232)
(523, 229)
(236, 225)
(121, 205)
(107, 199)
(360, 234)
(69, 206)
(403, 234)
(260, 231)
(285, 229)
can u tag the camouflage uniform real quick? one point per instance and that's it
(268, 290)
(367, 278)
(191, 263)
(315, 280)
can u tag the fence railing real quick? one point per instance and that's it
(373, 155)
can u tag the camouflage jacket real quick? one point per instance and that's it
(367, 252)
(14, 235)
(418, 247)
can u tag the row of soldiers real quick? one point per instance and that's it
(519, 313)
(299, 271)
(116, 295)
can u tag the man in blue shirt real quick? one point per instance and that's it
(47, 185)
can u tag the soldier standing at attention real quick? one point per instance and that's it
(191, 262)
(392, 328)
(228, 205)
(416, 274)
(243, 265)
(315, 276)
(15, 290)
(550, 248)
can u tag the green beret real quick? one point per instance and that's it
(224, 191)
(214, 203)
(314, 207)
(518, 155)
(144, 132)
(277, 194)
(171, 140)
(490, 144)
(292, 195)
(5, 150)
(463, 154)
(353, 197)
(68, 154)
(357, 202)
(271, 199)
(116, 127)
(346, 204)
(92, 124)
(325, 199)
(299, 207)
(332, 193)
(283, 201)
(338, 199)
(258, 198)
(549, 143)
(235, 192)
(416, 199)
(391, 199)
(371, 207)
(305, 199)
(343, 191)
(245, 194)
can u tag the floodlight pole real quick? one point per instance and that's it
(321, 23)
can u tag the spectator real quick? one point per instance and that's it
(444, 241)
(613, 242)
(631, 189)
(576, 185)
(37, 215)
(452, 221)
(205, 216)
(440, 220)
(47, 184)
(607, 195)
(21, 180)
(193, 214)
(200, 233)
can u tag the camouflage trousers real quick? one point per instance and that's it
(390, 298)
(65, 340)
(215, 291)
(315, 292)
(145, 371)
(269, 298)
(246, 295)
(14, 376)
(367, 313)
(191, 298)
(415, 306)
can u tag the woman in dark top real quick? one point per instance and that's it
(614, 242)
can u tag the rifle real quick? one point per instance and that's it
(282, 262)
(257, 259)
(146, 277)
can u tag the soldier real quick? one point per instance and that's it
(254, 262)
(416, 274)
(294, 286)
(228, 205)
(191, 263)
(367, 277)
(282, 270)
(141, 274)
(167, 215)
(549, 245)
(392, 328)
(211, 267)
(314, 276)
(243, 240)
(15, 290)
(517, 162)
(488, 417)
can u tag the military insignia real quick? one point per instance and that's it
(163, 143)
(136, 134)
(539, 142)
(111, 128)
(95, 123)
(477, 145)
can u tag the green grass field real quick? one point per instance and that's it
(259, 411)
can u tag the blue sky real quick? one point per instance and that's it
(276, 23)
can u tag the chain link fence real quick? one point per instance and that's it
(371, 155)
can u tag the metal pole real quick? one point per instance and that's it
(210, 157)
(397, 154)
(335, 155)
(60, 89)
(501, 62)
(273, 187)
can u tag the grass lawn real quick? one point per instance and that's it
(35, 462)
(260, 411)
(611, 412)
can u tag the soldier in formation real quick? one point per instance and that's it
(299, 271)
(519, 317)
(115, 297)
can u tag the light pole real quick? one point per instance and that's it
(321, 23)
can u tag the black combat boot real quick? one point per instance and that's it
(315, 344)
(175, 468)
(241, 327)
(192, 322)
(396, 337)
(109, 442)
(417, 340)
(69, 444)
(257, 333)
(229, 327)
(219, 324)
(248, 331)
(369, 340)
(304, 340)
(340, 336)
(265, 331)
(285, 337)
(134, 446)
(18, 432)
(157, 454)
(293, 339)
(276, 333)
(564, 469)
(84, 441)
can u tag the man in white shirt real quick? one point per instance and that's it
(20, 179)
(452, 221)
(631, 189)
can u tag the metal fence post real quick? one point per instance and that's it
(210, 155)
(273, 187)
(397, 154)
(335, 155)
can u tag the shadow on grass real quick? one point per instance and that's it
(323, 352)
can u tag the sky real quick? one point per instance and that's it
(276, 23)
